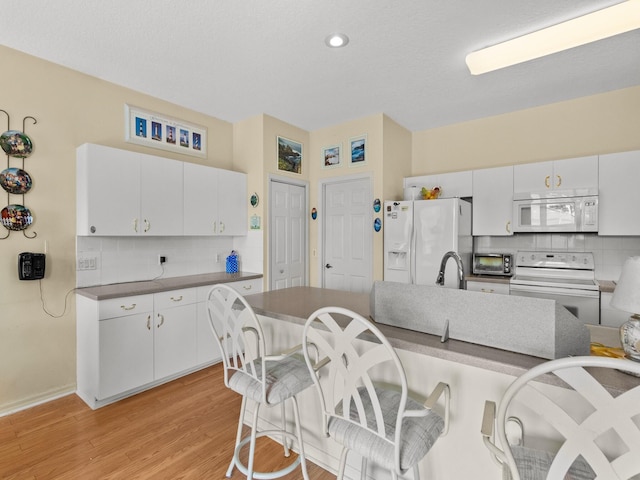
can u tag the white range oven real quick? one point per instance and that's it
(568, 278)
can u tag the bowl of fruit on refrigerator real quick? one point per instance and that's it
(430, 194)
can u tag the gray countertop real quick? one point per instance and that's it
(117, 290)
(296, 304)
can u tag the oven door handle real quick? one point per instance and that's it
(568, 292)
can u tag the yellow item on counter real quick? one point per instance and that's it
(601, 350)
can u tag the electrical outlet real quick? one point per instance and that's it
(87, 263)
(161, 259)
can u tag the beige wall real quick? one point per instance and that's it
(604, 123)
(37, 351)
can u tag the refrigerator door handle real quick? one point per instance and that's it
(412, 253)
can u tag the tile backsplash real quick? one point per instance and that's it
(130, 259)
(609, 252)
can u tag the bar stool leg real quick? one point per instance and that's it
(343, 463)
(243, 407)
(303, 461)
(363, 469)
(252, 444)
(285, 440)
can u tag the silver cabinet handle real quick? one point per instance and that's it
(559, 182)
(148, 322)
(161, 317)
(508, 226)
(147, 225)
(221, 227)
(135, 225)
(546, 181)
(130, 307)
(176, 299)
(247, 287)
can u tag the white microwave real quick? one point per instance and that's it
(555, 214)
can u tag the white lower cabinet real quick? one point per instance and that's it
(125, 346)
(175, 337)
(129, 344)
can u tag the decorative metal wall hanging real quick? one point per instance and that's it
(16, 181)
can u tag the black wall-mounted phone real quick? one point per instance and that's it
(31, 266)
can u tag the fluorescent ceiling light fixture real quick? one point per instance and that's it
(336, 40)
(605, 23)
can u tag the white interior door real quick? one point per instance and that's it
(347, 235)
(288, 239)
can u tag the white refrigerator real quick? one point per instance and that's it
(417, 234)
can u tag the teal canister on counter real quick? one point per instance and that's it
(232, 262)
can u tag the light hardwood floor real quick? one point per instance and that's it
(181, 430)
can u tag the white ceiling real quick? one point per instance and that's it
(233, 59)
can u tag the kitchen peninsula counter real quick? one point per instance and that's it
(475, 373)
(295, 304)
(118, 290)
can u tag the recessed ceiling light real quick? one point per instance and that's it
(336, 40)
(605, 23)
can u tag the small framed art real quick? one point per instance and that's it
(155, 130)
(332, 156)
(358, 150)
(289, 155)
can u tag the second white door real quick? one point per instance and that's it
(347, 238)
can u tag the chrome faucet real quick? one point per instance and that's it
(443, 264)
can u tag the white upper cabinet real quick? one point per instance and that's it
(452, 185)
(107, 191)
(124, 193)
(574, 173)
(492, 201)
(161, 196)
(119, 192)
(619, 194)
(215, 201)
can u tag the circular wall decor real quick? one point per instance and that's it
(16, 144)
(16, 217)
(255, 200)
(15, 181)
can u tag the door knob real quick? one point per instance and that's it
(328, 266)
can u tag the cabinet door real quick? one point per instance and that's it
(175, 332)
(572, 173)
(161, 196)
(576, 173)
(532, 177)
(125, 353)
(619, 194)
(456, 184)
(107, 191)
(492, 201)
(232, 203)
(200, 199)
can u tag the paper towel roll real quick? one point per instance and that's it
(626, 296)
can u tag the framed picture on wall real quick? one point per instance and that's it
(156, 130)
(289, 155)
(332, 156)
(358, 150)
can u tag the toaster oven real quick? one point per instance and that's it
(493, 264)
